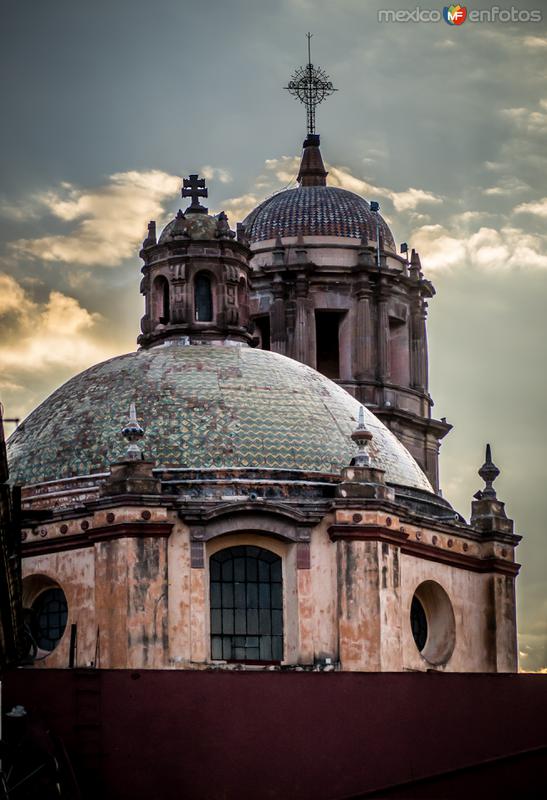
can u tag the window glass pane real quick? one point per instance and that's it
(216, 621)
(227, 595)
(239, 569)
(275, 570)
(215, 595)
(266, 648)
(265, 621)
(277, 648)
(277, 596)
(226, 648)
(241, 621)
(227, 621)
(252, 620)
(264, 595)
(214, 569)
(252, 569)
(216, 647)
(277, 622)
(228, 570)
(263, 571)
(252, 595)
(240, 595)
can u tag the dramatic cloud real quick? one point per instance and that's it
(110, 220)
(538, 208)
(487, 249)
(42, 344)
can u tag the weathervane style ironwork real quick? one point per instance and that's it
(310, 85)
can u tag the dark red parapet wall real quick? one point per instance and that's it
(293, 736)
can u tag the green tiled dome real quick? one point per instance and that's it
(201, 406)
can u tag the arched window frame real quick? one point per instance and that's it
(259, 636)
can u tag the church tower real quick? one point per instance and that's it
(330, 290)
(195, 278)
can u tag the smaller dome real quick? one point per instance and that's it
(194, 226)
(316, 211)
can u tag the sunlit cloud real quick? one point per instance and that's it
(538, 208)
(486, 249)
(43, 342)
(110, 219)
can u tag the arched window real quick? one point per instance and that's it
(162, 304)
(246, 605)
(203, 298)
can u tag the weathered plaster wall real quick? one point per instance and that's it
(471, 600)
(74, 571)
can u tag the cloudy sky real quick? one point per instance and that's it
(106, 104)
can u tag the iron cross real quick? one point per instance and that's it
(194, 187)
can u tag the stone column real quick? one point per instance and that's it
(418, 346)
(383, 339)
(301, 321)
(364, 335)
(278, 326)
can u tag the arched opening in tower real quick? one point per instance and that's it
(327, 339)
(203, 298)
(162, 300)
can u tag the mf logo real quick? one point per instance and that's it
(455, 15)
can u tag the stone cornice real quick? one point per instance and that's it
(87, 538)
(377, 533)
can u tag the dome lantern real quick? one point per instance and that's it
(196, 277)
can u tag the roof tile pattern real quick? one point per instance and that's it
(315, 211)
(201, 406)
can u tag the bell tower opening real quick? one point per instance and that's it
(262, 325)
(162, 300)
(203, 298)
(327, 338)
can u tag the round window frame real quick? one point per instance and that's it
(34, 586)
(441, 623)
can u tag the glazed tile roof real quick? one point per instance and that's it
(201, 406)
(315, 211)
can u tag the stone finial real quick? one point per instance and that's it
(150, 240)
(223, 228)
(361, 480)
(361, 436)
(132, 432)
(487, 512)
(415, 264)
(488, 472)
(241, 234)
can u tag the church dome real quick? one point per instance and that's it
(202, 406)
(316, 211)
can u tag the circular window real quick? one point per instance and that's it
(418, 622)
(433, 623)
(49, 617)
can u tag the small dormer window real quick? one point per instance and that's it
(203, 298)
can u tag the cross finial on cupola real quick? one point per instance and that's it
(489, 472)
(194, 187)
